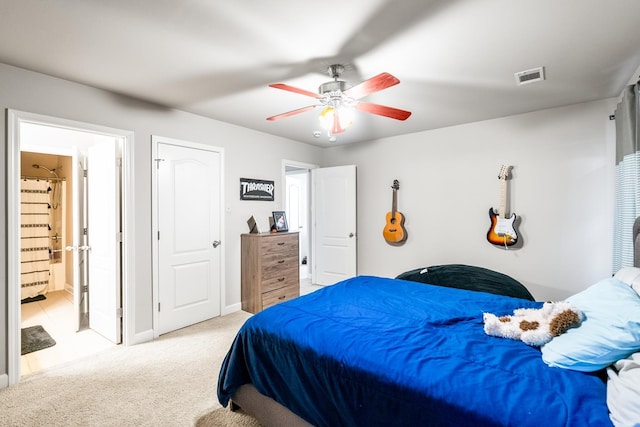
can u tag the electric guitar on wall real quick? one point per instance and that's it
(502, 231)
(394, 231)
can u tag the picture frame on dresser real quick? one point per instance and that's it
(280, 221)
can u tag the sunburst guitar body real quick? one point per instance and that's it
(394, 231)
(502, 231)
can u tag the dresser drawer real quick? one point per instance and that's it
(276, 268)
(276, 257)
(280, 295)
(279, 243)
(282, 279)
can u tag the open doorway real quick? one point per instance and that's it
(46, 164)
(48, 272)
(321, 205)
(297, 185)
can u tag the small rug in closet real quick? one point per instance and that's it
(32, 299)
(35, 338)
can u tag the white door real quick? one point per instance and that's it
(334, 224)
(189, 252)
(103, 238)
(79, 239)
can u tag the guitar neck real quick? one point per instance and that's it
(394, 204)
(503, 198)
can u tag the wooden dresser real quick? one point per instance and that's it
(270, 269)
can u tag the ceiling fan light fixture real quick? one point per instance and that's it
(346, 115)
(336, 120)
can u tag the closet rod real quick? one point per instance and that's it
(40, 178)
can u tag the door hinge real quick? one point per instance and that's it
(119, 237)
(84, 231)
(158, 307)
(158, 234)
(84, 173)
(119, 312)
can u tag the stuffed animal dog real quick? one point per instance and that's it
(534, 326)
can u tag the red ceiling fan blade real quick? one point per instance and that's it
(382, 110)
(292, 113)
(374, 84)
(336, 128)
(294, 90)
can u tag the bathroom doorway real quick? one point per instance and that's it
(50, 150)
(51, 297)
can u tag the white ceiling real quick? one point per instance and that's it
(455, 59)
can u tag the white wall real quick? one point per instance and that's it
(562, 190)
(247, 154)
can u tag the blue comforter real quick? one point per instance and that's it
(371, 351)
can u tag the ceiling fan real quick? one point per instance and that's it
(339, 99)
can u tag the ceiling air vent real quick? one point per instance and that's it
(530, 76)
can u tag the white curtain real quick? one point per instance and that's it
(34, 237)
(627, 206)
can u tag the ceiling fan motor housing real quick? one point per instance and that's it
(334, 86)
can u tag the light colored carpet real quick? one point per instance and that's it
(170, 381)
(223, 417)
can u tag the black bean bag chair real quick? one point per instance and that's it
(468, 277)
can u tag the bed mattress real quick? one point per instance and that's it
(373, 351)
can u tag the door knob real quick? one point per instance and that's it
(71, 248)
(351, 234)
(216, 243)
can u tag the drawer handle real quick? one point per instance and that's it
(282, 297)
(280, 243)
(281, 261)
(281, 279)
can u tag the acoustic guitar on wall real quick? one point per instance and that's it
(394, 231)
(502, 231)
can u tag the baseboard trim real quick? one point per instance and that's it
(141, 337)
(4, 381)
(231, 309)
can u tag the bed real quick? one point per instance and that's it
(372, 351)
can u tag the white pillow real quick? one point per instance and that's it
(609, 331)
(630, 276)
(623, 391)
